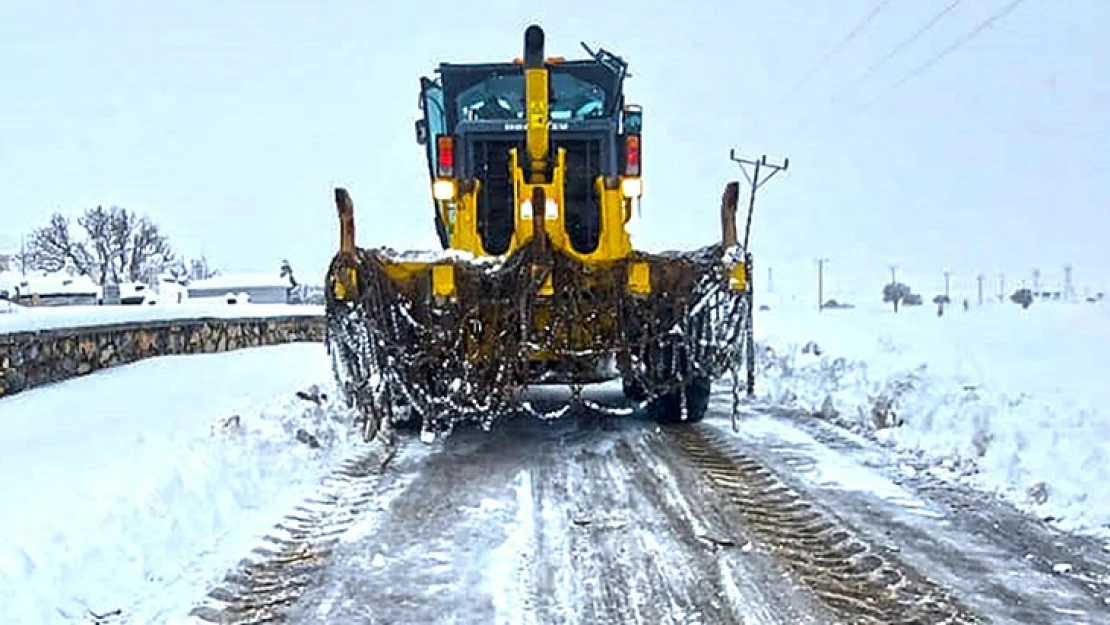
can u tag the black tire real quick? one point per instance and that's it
(633, 391)
(668, 408)
(412, 424)
(405, 418)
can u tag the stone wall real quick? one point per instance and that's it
(30, 359)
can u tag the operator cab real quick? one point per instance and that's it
(473, 114)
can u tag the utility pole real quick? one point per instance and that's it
(1069, 289)
(821, 283)
(23, 255)
(1002, 287)
(893, 273)
(1036, 282)
(755, 183)
(979, 279)
(947, 280)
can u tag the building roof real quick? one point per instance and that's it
(48, 284)
(237, 281)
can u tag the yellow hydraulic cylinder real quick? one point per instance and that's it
(537, 138)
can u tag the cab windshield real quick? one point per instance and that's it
(502, 97)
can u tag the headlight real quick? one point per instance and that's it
(632, 187)
(443, 189)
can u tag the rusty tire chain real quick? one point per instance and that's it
(841, 569)
(464, 358)
(261, 590)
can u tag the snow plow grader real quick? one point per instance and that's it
(534, 168)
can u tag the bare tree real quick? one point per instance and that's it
(299, 292)
(200, 269)
(113, 245)
(144, 250)
(287, 271)
(178, 270)
(53, 248)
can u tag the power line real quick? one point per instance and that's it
(837, 48)
(905, 43)
(982, 26)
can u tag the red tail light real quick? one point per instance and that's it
(632, 155)
(445, 156)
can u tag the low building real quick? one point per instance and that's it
(133, 293)
(259, 288)
(56, 289)
(169, 291)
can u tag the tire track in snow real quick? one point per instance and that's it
(624, 532)
(433, 554)
(750, 582)
(615, 537)
(1000, 561)
(262, 589)
(578, 521)
(859, 580)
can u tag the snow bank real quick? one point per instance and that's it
(1009, 400)
(55, 317)
(138, 487)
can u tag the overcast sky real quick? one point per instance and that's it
(230, 122)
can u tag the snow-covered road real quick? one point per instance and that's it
(595, 520)
(133, 493)
(576, 520)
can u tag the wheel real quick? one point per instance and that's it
(633, 391)
(409, 424)
(668, 408)
(405, 418)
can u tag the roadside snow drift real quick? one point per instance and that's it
(1014, 401)
(136, 488)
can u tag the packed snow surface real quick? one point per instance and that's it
(29, 319)
(1011, 400)
(136, 488)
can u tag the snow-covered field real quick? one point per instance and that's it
(1013, 401)
(115, 482)
(15, 318)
